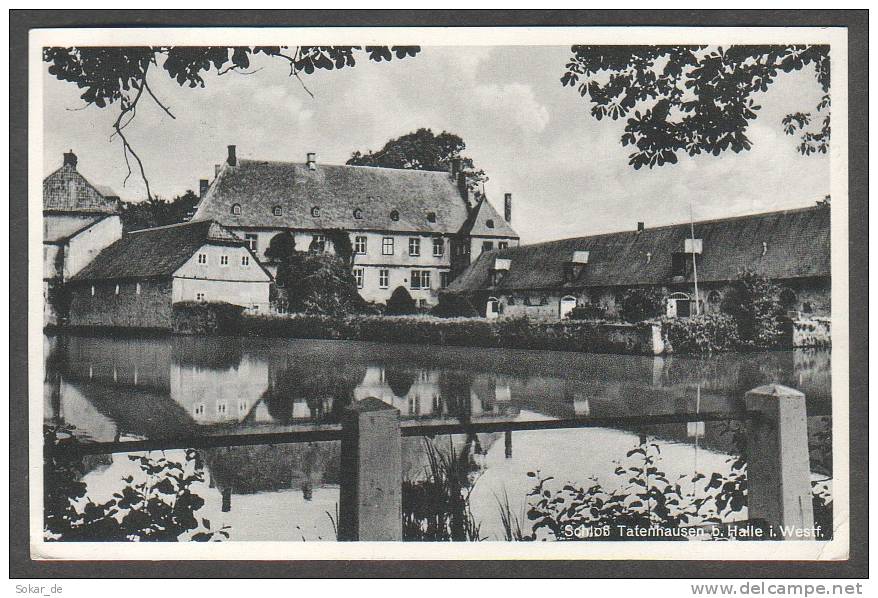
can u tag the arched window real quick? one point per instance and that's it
(566, 305)
(714, 298)
(236, 209)
(679, 305)
(394, 215)
(277, 210)
(489, 223)
(315, 212)
(788, 299)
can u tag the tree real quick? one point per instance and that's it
(156, 211)
(754, 304)
(423, 150)
(118, 75)
(400, 303)
(694, 99)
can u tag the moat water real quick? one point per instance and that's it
(115, 389)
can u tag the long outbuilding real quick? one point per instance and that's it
(547, 280)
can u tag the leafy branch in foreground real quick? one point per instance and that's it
(119, 75)
(694, 99)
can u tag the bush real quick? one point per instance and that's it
(400, 302)
(642, 303)
(196, 317)
(755, 306)
(587, 311)
(452, 305)
(701, 334)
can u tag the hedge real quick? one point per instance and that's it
(512, 333)
(702, 334)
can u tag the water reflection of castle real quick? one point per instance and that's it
(161, 386)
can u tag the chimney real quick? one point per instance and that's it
(312, 161)
(640, 227)
(70, 159)
(507, 207)
(232, 159)
(203, 184)
(455, 167)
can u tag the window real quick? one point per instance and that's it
(117, 289)
(245, 260)
(224, 260)
(202, 259)
(315, 212)
(387, 246)
(358, 276)
(359, 244)
(431, 216)
(503, 245)
(252, 242)
(383, 276)
(358, 213)
(242, 406)
(423, 303)
(236, 209)
(438, 246)
(221, 407)
(199, 409)
(137, 288)
(487, 245)
(92, 291)
(420, 279)
(277, 210)
(714, 298)
(318, 243)
(199, 296)
(443, 279)
(489, 223)
(414, 246)
(394, 215)
(788, 299)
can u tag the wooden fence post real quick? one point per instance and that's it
(370, 501)
(778, 465)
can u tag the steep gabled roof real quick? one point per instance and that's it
(65, 190)
(154, 252)
(485, 221)
(797, 246)
(338, 191)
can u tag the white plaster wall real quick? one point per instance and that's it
(251, 294)
(83, 248)
(213, 270)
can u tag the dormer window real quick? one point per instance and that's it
(315, 212)
(394, 215)
(431, 216)
(358, 213)
(489, 223)
(236, 209)
(277, 210)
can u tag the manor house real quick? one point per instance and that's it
(408, 228)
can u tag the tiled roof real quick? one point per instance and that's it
(340, 193)
(796, 246)
(153, 252)
(68, 191)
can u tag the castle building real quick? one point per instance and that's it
(547, 280)
(79, 220)
(136, 281)
(408, 228)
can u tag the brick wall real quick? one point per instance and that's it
(150, 308)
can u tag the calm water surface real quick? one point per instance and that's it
(163, 388)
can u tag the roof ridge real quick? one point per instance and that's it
(166, 226)
(305, 164)
(667, 226)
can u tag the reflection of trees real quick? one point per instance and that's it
(269, 468)
(206, 352)
(312, 383)
(400, 381)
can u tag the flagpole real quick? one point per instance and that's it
(694, 265)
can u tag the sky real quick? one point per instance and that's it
(568, 173)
